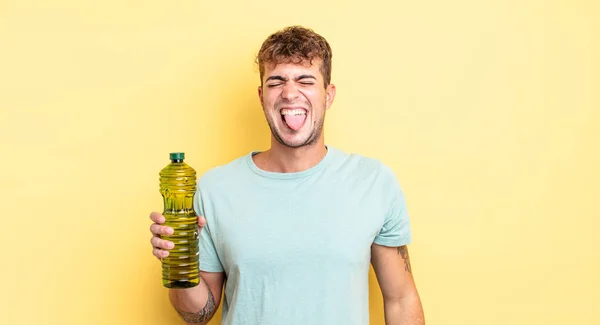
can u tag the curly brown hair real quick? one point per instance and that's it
(295, 44)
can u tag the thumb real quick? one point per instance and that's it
(201, 222)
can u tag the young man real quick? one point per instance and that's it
(294, 229)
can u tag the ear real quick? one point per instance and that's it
(330, 95)
(260, 95)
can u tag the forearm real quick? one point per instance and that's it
(404, 311)
(195, 305)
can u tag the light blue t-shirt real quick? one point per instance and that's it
(295, 247)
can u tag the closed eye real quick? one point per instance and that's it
(306, 79)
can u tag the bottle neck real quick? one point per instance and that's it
(176, 160)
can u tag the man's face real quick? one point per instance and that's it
(294, 100)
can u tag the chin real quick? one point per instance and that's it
(297, 140)
(294, 143)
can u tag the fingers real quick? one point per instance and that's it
(159, 253)
(157, 217)
(161, 243)
(161, 247)
(158, 230)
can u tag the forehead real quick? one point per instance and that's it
(293, 68)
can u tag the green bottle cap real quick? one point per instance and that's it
(177, 155)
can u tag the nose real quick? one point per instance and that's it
(290, 92)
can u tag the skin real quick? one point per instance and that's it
(195, 305)
(296, 86)
(401, 301)
(289, 85)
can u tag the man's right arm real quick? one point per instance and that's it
(197, 305)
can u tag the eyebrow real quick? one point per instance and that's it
(276, 78)
(306, 76)
(280, 78)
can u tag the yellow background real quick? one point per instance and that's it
(488, 111)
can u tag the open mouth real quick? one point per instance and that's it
(294, 118)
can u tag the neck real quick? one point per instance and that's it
(282, 159)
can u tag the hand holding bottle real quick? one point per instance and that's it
(161, 247)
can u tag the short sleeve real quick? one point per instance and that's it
(395, 230)
(209, 259)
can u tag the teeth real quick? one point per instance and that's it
(293, 112)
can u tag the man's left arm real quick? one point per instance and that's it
(402, 304)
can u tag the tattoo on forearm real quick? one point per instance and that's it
(403, 251)
(203, 314)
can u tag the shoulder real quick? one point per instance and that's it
(223, 173)
(364, 171)
(364, 165)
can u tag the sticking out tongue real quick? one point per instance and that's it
(295, 122)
